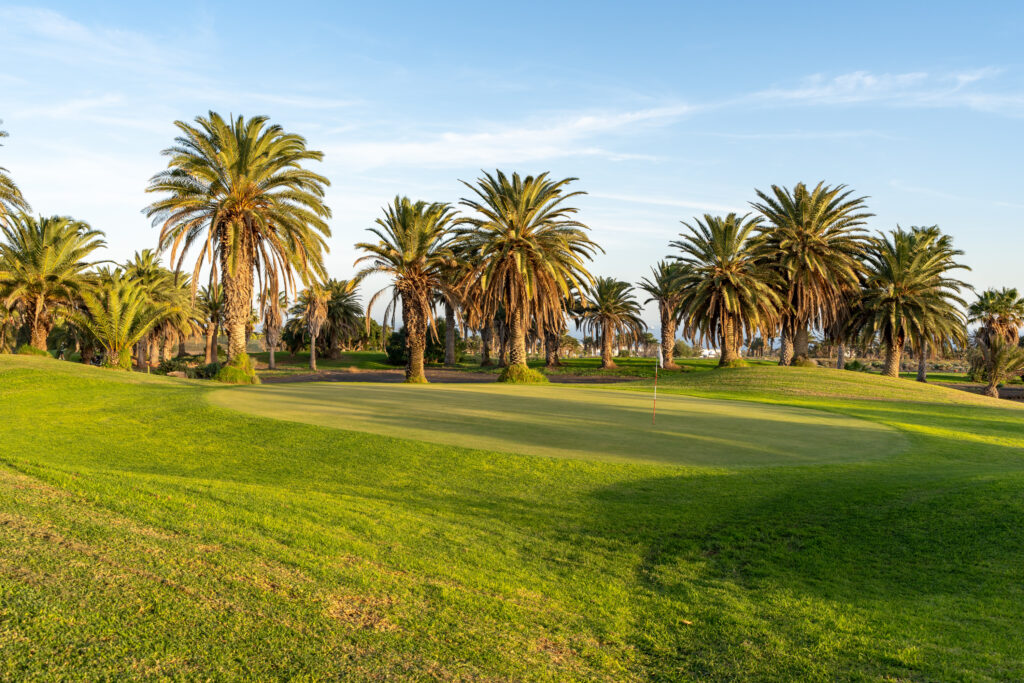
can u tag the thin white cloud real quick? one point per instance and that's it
(665, 201)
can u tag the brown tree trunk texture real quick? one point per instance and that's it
(168, 349)
(312, 350)
(154, 352)
(181, 347)
(449, 334)
(503, 347)
(785, 346)
(551, 342)
(486, 335)
(922, 363)
(39, 335)
(668, 340)
(140, 354)
(88, 353)
(237, 298)
(801, 342)
(415, 340)
(840, 356)
(517, 339)
(992, 389)
(273, 339)
(728, 342)
(892, 360)
(607, 338)
(211, 343)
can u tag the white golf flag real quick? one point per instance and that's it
(661, 359)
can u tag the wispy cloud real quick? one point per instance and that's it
(666, 201)
(568, 137)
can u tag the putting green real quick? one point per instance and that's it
(576, 422)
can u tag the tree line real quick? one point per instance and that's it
(511, 259)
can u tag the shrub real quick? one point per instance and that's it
(684, 350)
(520, 374)
(28, 350)
(239, 370)
(433, 353)
(208, 371)
(172, 365)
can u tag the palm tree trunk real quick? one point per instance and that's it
(840, 356)
(312, 351)
(801, 342)
(728, 342)
(922, 362)
(415, 340)
(237, 297)
(449, 334)
(786, 345)
(517, 340)
(486, 335)
(168, 349)
(181, 347)
(503, 346)
(273, 339)
(39, 335)
(668, 340)
(892, 360)
(551, 342)
(992, 389)
(607, 338)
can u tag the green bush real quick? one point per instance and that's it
(172, 365)
(520, 374)
(239, 370)
(208, 371)
(856, 366)
(28, 350)
(684, 350)
(432, 354)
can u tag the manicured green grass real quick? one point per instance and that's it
(147, 533)
(566, 421)
(298, 364)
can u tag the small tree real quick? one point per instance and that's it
(1002, 360)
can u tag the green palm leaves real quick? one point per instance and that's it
(908, 293)
(413, 249)
(43, 268)
(813, 239)
(238, 190)
(610, 310)
(665, 288)
(118, 314)
(1000, 312)
(728, 288)
(529, 251)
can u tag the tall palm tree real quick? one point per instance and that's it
(313, 301)
(344, 314)
(728, 290)
(610, 310)
(43, 268)
(530, 252)
(940, 250)
(118, 313)
(1000, 312)
(273, 304)
(814, 240)
(665, 288)
(11, 199)
(210, 303)
(412, 249)
(907, 296)
(238, 188)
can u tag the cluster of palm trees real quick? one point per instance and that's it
(509, 260)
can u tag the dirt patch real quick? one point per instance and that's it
(362, 611)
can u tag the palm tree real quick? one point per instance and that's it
(11, 199)
(412, 249)
(273, 303)
(940, 249)
(239, 190)
(1000, 313)
(728, 290)
(344, 314)
(117, 314)
(907, 296)
(43, 268)
(312, 306)
(813, 240)
(530, 253)
(664, 288)
(1003, 359)
(610, 310)
(211, 309)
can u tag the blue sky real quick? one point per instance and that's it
(663, 110)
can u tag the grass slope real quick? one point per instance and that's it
(573, 422)
(146, 533)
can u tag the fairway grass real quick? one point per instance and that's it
(602, 424)
(148, 533)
